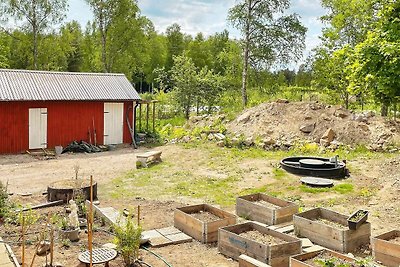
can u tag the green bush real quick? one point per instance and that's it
(127, 239)
(4, 202)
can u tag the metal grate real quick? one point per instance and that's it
(99, 255)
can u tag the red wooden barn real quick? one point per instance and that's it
(40, 109)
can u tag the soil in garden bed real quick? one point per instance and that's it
(262, 238)
(205, 216)
(331, 223)
(325, 259)
(266, 204)
(395, 240)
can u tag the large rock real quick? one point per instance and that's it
(308, 128)
(244, 117)
(341, 113)
(269, 141)
(282, 101)
(327, 137)
(43, 247)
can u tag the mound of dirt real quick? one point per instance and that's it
(312, 121)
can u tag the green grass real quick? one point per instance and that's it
(340, 188)
(279, 174)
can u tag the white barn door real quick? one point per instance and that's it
(113, 123)
(37, 128)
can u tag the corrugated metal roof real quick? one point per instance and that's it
(46, 85)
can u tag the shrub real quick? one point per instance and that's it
(4, 203)
(127, 239)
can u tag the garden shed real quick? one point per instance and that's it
(42, 109)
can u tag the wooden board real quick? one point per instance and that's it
(246, 261)
(205, 232)
(306, 224)
(231, 244)
(385, 251)
(247, 208)
(298, 260)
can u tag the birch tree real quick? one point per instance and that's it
(268, 35)
(37, 14)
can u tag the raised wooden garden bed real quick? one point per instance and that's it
(316, 259)
(386, 248)
(258, 242)
(265, 209)
(330, 229)
(202, 221)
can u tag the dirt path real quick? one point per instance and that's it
(27, 174)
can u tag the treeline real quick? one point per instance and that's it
(359, 55)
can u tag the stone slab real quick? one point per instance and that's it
(151, 234)
(169, 231)
(160, 242)
(286, 229)
(313, 248)
(179, 238)
(306, 243)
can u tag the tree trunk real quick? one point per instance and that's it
(35, 35)
(346, 99)
(35, 48)
(103, 51)
(246, 56)
(384, 109)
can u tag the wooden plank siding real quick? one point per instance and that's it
(66, 121)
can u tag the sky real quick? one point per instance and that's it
(206, 16)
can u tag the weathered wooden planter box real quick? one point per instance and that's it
(232, 244)
(329, 229)
(203, 231)
(299, 260)
(278, 211)
(385, 250)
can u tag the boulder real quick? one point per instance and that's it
(282, 101)
(249, 141)
(210, 137)
(341, 113)
(219, 136)
(43, 247)
(244, 117)
(308, 128)
(221, 143)
(327, 137)
(269, 141)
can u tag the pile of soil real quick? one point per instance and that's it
(262, 238)
(281, 121)
(332, 223)
(206, 216)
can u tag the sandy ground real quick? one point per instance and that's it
(27, 174)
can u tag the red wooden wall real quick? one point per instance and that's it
(66, 121)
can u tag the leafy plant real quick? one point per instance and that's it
(127, 239)
(4, 202)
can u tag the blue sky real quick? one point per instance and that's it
(207, 16)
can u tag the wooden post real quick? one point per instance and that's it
(140, 117)
(90, 223)
(138, 215)
(154, 116)
(147, 116)
(51, 245)
(23, 241)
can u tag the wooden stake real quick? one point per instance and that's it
(138, 215)
(23, 241)
(51, 245)
(90, 233)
